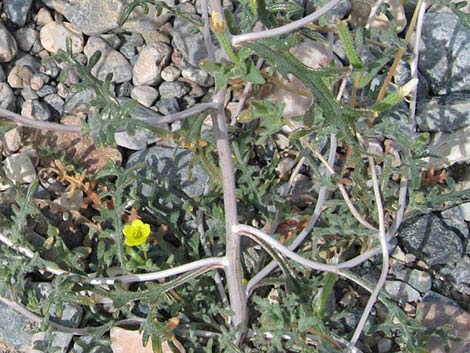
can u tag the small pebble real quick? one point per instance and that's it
(53, 37)
(36, 110)
(19, 168)
(7, 96)
(170, 73)
(26, 38)
(145, 95)
(37, 82)
(44, 17)
(173, 89)
(20, 76)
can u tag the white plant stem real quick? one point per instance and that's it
(290, 27)
(385, 256)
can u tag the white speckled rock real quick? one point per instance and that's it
(150, 62)
(111, 61)
(8, 46)
(53, 37)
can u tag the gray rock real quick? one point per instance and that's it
(46, 90)
(444, 53)
(142, 137)
(111, 61)
(189, 41)
(171, 168)
(88, 344)
(100, 16)
(14, 328)
(131, 43)
(201, 77)
(33, 62)
(36, 110)
(419, 280)
(56, 104)
(338, 12)
(12, 140)
(17, 10)
(124, 89)
(7, 96)
(145, 95)
(168, 106)
(112, 39)
(70, 316)
(28, 93)
(50, 68)
(26, 38)
(445, 113)
(170, 73)
(79, 101)
(8, 46)
(175, 89)
(449, 148)
(150, 62)
(19, 168)
(434, 297)
(458, 274)
(401, 291)
(435, 240)
(3, 75)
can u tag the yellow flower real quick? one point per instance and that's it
(136, 233)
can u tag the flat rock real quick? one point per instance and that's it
(417, 279)
(171, 168)
(19, 168)
(150, 62)
(17, 10)
(145, 95)
(444, 113)
(450, 148)
(444, 53)
(36, 110)
(189, 41)
(435, 240)
(111, 61)
(8, 46)
(26, 38)
(14, 328)
(53, 37)
(101, 16)
(401, 291)
(174, 89)
(7, 96)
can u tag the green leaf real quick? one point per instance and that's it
(253, 74)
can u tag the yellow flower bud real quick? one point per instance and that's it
(218, 22)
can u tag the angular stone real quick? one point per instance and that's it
(14, 328)
(8, 46)
(36, 110)
(17, 10)
(111, 61)
(175, 89)
(444, 113)
(171, 168)
(7, 96)
(419, 280)
(450, 148)
(53, 37)
(189, 41)
(145, 95)
(444, 53)
(150, 62)
(100, 16)
(19, 168)
(435, 240)
(26, 38)
(20, 76)
(170, 73)
(401, 291)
